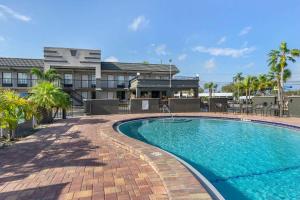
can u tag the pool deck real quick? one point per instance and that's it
(85, 158)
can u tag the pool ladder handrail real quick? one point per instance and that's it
(165, 108)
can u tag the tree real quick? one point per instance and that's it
(200, 90)
(211, 87)
(50, 75)
(13, 109)
(249, 84)
(237, 80)
(229, 88)
(264, 83)
(279, 59)
(47, 96)
(274, 77)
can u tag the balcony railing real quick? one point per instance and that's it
(66, 83)
(17, 82)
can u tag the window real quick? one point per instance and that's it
(84, 81)
(73, 52)
(84, 95)
(121, 95)
(68, 79)
(22, 79)
(130, 77)
(121, 82)
(93, 81)
(6, 78)
(110, 95)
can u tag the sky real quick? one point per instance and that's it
(212, 38)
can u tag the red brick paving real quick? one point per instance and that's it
(69, 160)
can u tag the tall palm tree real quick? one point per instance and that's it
(50, 75)
(274, 76)
(279, 59)
(211, 87)
(47, 96)
(237, 81)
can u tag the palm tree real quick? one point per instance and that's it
(249, 84)
(274, 76)
(264, 83)
(211, 87)
(279, 59)
(237, 80)
(47, 96)
(50, 75)
(13, 108)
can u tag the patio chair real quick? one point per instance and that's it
(259, 108)
(247, 108)
(219, 107)
(231, 107)
(234, 108)
(273, 109)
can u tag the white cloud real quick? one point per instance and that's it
(210, 64)
(161, 50)
(8, 12)
(222, 40)
(138, 23)
(182, 57)
(245, 30)
(235, 53)
(249, 65)
(111, 59)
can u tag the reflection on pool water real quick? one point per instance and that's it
(243, 160)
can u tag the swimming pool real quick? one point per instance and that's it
(243, 160)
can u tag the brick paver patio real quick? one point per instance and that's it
(70, 161)
(87, 159)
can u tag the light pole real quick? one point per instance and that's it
(170, 66)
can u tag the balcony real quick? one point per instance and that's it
(76, 84)
(16, 82)
(113, 84)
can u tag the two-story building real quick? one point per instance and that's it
(85, 76)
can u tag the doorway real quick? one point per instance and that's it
(155, 94)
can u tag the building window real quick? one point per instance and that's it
(73, 52)
(93, 81)
(68, 79)
(22, 79)
(84, 95)
(121, 82)
(6, 79)
(110, 95)
(130, 77)
(121, 95)
(85, 80)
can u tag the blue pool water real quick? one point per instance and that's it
(243, 160)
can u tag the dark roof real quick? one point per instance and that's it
(28, 62)
(136, 67)
(21, 62)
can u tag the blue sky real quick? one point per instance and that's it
(212, 38)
